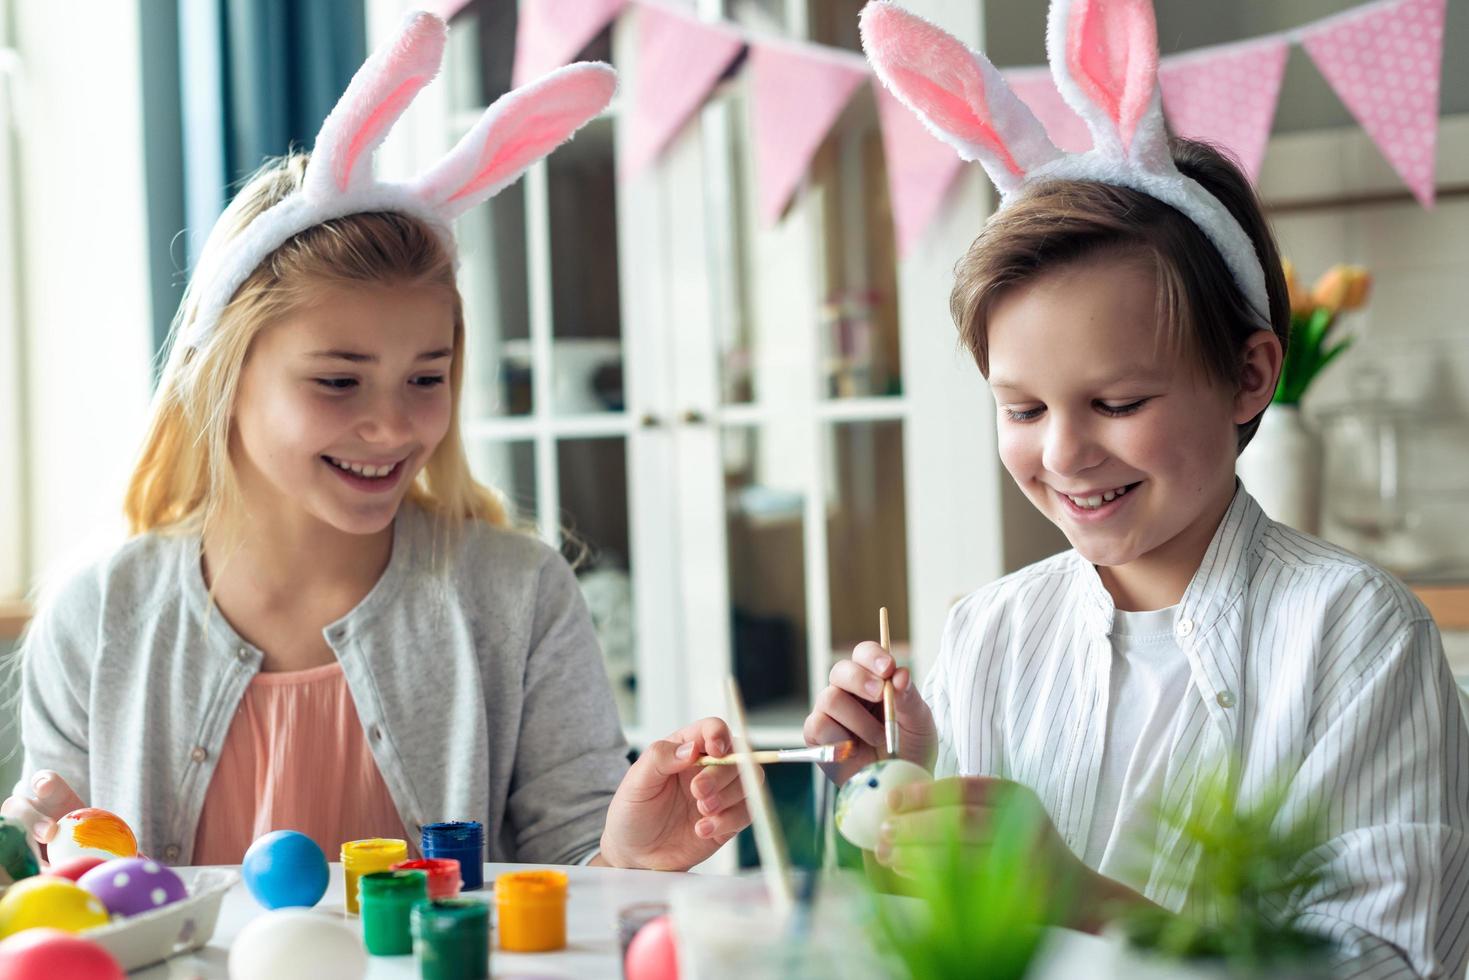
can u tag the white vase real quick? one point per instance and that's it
(1281, 468)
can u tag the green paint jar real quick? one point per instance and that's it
(451, 939)
(387, 899)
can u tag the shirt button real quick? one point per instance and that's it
(172, 852)
(1225, 699)
(198, 755)
(242, 655)
(1185, 627)
(377, 733)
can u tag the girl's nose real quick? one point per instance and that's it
(388, 421)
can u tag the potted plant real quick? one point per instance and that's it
(1256, 866)
(971, 911)
(1282, 465)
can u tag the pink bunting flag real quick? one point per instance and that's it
(797, 94)
(1383, 61)
(680, 58)
(550, 33)
(1037, 89)
(920, 168)
(1226, 96)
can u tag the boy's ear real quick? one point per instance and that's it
(1262, 357)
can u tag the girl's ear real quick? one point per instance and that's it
(956, 92)
(519, 129)
(1259, 375)
(1104, 58)
(341, 159)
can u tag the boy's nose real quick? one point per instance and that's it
(1069, 448)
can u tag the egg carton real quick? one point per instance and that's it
(182, 927)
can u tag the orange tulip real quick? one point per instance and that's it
(1342, 287)
(1300, 300)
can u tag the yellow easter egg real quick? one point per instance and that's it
(52, 902)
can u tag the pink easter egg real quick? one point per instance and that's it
(74, 869)
(55, 955)
(653, 952)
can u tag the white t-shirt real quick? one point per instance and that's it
(1148, 680)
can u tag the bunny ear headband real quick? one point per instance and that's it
(1104, 58)
(519, 129)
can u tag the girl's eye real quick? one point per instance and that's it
(1119, 410)
(337, 384)
(429, 380)
(1023, 415)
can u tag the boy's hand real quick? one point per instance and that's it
(851, 707)
(670, 814)
(52, 799)
(924, 817)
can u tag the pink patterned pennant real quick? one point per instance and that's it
(920, 168)
(1037, 89)
(1227, 96)
(680, 58)
(797, 95)
(549, 33)
(1383, 61)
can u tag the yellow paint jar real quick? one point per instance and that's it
(531, 907)
(364, 857)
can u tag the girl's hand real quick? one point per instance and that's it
(53, 800)
(670, 814)
(925, 816)
(851, 707)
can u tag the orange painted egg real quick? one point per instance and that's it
(91, 832)
(46, 901)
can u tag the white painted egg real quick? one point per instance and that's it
(862, 803)
(91, 832)
(297, 944)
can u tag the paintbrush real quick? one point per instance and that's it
(839, 752)
(889, 706)
(775, 861)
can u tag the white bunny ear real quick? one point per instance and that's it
(341, 160)
(956, 92)
(520, 128)
(1104, 58)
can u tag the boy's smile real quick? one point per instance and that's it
(1119, 438)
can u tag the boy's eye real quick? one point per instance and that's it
(429, 380)
(1023, 414)
(1116, 410)
(337, 384)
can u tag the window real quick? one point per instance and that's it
(12, 390)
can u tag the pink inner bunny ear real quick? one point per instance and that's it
(1112, 53)
(938, 77)
(519, 129)
(377, 95)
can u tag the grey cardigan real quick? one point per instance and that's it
(474, 669)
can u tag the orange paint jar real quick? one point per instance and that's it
(531, 907)
(364, 857)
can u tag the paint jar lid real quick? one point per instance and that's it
(374, 853)
(530, 887)
(456, 915)
(443, 875)
(453, 834)
(394, 885)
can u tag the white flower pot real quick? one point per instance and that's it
(1281, 468)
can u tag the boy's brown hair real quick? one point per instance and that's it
(1202, 312)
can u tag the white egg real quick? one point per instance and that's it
(862, 804)
(297, 944)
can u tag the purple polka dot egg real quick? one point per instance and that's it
(132, 886)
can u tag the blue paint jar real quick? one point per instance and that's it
(462, 841)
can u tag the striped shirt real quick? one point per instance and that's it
(1308, 665)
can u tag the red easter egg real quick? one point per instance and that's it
(55, 955)
(653, 952)
(74, 869)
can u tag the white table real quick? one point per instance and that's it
(591, 932)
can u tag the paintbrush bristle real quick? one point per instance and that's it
(842, 751)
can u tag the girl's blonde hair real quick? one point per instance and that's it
(184, 481)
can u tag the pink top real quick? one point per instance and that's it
(295, 758)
